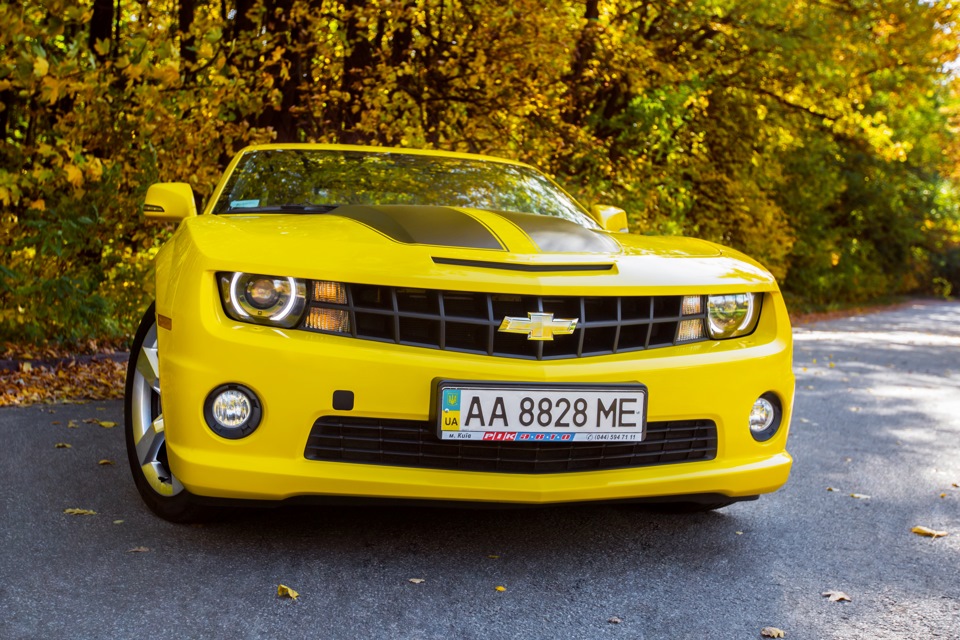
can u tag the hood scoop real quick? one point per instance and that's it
(516, 266)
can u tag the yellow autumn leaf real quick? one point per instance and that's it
(5, 84)
(416, 580)
(859, 496)
(79, 512)
(40, 66)
(285, 591)
(500, 588)
(74, 175)
(102, 46)
(106, 424)
(94, 169)
(105, 462)
(920, 530)
(63, 445)
(50, 89)
(37, 205)
(772, 632)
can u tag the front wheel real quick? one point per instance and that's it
(145, 430)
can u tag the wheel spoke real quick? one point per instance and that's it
(148, 446)
(148, 366)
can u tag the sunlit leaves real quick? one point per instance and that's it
(816, 137)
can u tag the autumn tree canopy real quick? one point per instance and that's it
(818, 136)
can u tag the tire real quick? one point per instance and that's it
(144, 431)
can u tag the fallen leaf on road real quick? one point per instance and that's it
(772, 632)
(63, 445)
(943, 495)
(500, 588)
(930, 533)
(836, 596)
(56, 422)
(416, 580)
(494, 557)
(285, 591)
(739, 533)
(614, 620)
(118, 522)
(830, 489)
(831, 365)
(955, 485)
(72, 424)
(106, 424)
(105, 462)
(80, 512)
(859, 496)
(138, 550)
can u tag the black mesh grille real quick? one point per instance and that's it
(468, 321)
(410, 443)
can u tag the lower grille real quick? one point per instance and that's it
(410, 443)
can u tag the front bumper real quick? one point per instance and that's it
(295, 373)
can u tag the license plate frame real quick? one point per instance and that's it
(621, 418)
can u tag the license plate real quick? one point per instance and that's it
(518, 412)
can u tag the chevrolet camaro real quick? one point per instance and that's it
(371, 323)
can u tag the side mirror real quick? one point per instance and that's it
(169, 201)
(613, 219)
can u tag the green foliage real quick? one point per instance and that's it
(818, 137)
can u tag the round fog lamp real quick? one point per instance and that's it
(765, 417)
(761, 416)
(232, 411)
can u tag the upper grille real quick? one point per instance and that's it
(409, 443)
(468, 322)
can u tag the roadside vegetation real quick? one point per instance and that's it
(819, 137)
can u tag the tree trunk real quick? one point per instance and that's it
(101, 25)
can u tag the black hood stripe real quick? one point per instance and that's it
(440, 226)
(556, 235)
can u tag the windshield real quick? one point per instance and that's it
(316, 181)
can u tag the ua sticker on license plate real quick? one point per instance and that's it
(519, 412)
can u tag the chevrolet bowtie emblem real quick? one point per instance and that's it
(539, 326)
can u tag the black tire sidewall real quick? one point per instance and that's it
(181, 507)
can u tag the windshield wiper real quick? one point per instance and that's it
(285, 208)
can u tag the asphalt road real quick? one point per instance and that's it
(878, 415)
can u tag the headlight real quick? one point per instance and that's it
(732, 315)
(271, 300)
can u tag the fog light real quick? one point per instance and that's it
(232, 411)
(692, 305)
(765, 417)
(690, 330)
(321, 319)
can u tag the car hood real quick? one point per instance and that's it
(430, 246)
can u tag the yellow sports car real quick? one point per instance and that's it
(373, 323)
